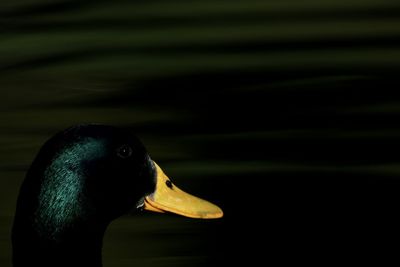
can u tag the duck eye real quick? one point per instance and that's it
(124, 151)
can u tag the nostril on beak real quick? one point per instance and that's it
(169, 183)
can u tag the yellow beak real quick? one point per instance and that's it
(169, 198)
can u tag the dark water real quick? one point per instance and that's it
(281, 112)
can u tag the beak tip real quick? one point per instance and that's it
(221, 214)
(214, 215)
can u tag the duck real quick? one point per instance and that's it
(82, 179)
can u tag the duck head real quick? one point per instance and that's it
(81, 180)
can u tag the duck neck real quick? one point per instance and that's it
(80, 246)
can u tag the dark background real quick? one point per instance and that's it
(284, 113)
